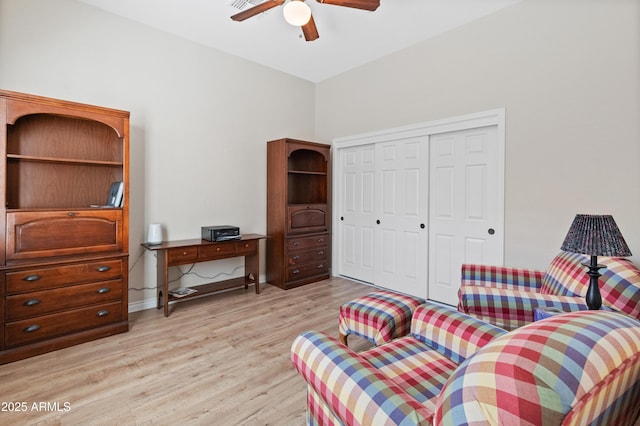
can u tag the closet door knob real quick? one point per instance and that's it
(491, 231)
(378, 221)
(422, 226)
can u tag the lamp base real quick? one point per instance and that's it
(593, 297)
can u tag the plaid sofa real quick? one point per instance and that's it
(507, 297)
(452, 369)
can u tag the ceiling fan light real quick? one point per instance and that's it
(296, 13)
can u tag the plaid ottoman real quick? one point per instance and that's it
(379, 317)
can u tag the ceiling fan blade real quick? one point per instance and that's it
(309, 30)
(356, 4)
(255, 10)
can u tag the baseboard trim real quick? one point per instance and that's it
(142, 305)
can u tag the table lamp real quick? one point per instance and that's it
(595, 235)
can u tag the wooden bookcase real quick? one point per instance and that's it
(64, 261)
(298, 212)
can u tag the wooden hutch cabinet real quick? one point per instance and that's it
(298, 212)
(64, 259)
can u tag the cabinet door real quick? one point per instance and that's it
(57, 233)
(307, 218)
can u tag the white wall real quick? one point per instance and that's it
(200, 118)
(568, 74)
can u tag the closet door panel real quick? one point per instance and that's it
(357, 218)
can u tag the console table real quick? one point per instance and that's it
(175, 253)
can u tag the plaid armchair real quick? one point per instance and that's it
(507, 297)
(578, 368)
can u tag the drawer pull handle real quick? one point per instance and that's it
(103, 268)
(296, 257)
(104, 290)
(296, 243)
(320, 266)
(71, 214)
(32, 328)
(31, 302)
(31, 278)
(103, 313)
(246, 246)
(320, 253)
(217, 248)
(321, 240)
(184, 253)
(297, 271)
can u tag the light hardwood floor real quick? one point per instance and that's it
(219, 360)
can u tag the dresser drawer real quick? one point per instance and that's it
(182, 255)
(309, 270)
(217, 250)
(246, 247)
(43, 278)
(44, 234)
(47, 301)
(309, 256)
(303, 243)
(48, 326)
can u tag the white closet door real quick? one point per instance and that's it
(357, 219)
(401, 238)
(465, 221)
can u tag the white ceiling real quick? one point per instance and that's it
(348, 37)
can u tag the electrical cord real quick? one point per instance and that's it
(189, 271)
(182, 274)
(135, 262)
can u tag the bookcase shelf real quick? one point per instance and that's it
(63, 160)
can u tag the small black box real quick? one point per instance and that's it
(220, 233)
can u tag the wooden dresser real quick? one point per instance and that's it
(64, 260)
(298, 212)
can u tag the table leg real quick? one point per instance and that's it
(162, 281)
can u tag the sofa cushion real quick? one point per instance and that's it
(566, 276)
(510, 309)
(452, 333)
(418, 369)
(620, 285)
(580, 365)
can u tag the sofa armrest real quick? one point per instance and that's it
(453, 334)
(501, 277)
(356, 392)
(511, 309)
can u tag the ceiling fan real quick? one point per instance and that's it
(297, 9)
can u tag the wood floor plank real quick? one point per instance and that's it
(222, 359)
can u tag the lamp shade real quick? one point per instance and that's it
(595, 235)
(296, 13)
